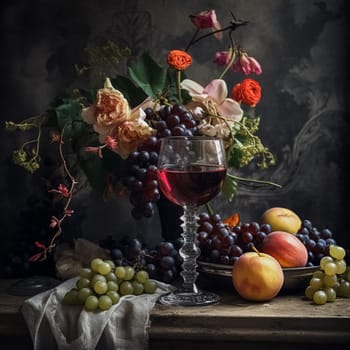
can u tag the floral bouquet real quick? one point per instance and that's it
(115, 131)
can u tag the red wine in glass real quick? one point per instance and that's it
(191, 171)
(192, 185)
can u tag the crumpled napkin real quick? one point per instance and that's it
(54, 325)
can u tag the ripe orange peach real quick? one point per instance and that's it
(281, 219)
(286, 248)
(257, 276)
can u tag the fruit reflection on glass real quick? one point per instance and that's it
(191, 171)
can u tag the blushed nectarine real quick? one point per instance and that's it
(257, 276)
(286, 248)
(281, 219)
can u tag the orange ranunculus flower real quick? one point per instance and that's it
(247, 92)
(179, 60)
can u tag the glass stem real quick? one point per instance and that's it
(190, 250)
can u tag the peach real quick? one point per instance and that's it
(257, 276)
(286, 248)
(281, 219)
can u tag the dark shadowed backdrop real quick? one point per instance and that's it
(302, 46)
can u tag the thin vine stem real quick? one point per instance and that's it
(263, 182)
(179, 86)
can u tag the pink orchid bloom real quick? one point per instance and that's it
(247, 65)
(207, 19)
(255, 66)
(222, 58)
(214, 98)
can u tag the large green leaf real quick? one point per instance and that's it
(67, 113)
(131, 92)
(94, 171)
(229, 188)
(149, 75)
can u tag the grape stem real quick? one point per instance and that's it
(265, 182)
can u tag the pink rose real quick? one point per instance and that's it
(207, 19)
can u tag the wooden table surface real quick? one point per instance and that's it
(233, 323)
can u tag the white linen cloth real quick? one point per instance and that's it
(54, 325)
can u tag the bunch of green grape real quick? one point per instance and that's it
(102, 284)
(332, 280)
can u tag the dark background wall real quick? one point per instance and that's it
(301, 44)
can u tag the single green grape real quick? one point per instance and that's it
(320, 297)
(150, 286)
(141, 276)
(318, 274)
(100, 287)
(309, 292)
(97, 278)
(84, 293)
(330, 281)
(126, 288)
(104, 268)
(94, 264)
(324, 260)
(344, 289)
(129, 273)
(330, 268)
(83, 282)
(85, 272)
(112, 286)
(331, 294)
(341, 266)
(104, 302)
(337, 252)
(111, 263)
(71, 297)
(138, 287)
(316, 283)
(91, 303)
(114, 296)
(120, 272)
(111, 277)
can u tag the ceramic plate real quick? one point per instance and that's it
(294, 278)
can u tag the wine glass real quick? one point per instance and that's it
(191, 171)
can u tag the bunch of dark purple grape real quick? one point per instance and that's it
(316, 241)
(162, 263)
(221, 244)
(141, 173)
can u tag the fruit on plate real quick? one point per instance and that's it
(257, 276)
(287, 249)
(281, 219)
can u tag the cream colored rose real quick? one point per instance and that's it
(111, 108)
(130, 134)
(111, 111)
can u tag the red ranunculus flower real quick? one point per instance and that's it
(248, 92)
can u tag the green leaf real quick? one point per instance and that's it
(94, 171)
(235, 157)
(131, 92)
(229, 188)
(66, 113)
(149, 76)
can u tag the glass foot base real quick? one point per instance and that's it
(182, 298)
